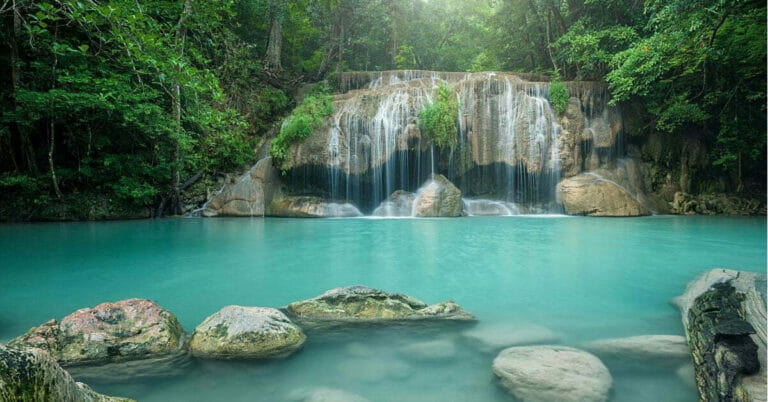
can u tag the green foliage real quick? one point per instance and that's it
(308, 116)
(438, 119)
(558, 96)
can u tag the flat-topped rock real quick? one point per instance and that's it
(34, 375)
(552, 373)
(246, 332)
(592, 195)
(362, 303)
(310, 207)
(660, 348)
(125, 330)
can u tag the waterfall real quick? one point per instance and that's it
(512, 149)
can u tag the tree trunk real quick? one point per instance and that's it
(52, 144)
(25, 148)
(181, 33)
(275, 47)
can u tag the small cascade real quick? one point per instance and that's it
(512, 147)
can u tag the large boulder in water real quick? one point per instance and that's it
(399, 203)
(125, 330)
(438, 197)
(310, 207)
(590, 194)
(361, 303)
(724, 315)
(246, 332)
(552, 373)
(248, 195)
(33, 375)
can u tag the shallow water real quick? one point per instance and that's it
(581, 278)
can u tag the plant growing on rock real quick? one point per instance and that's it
(308, 116)
(438, 119)
(558, 96)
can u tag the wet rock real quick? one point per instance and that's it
(34, 375)
(310, 207)
(592, 195)
(125, 330)
(325, 395)
(438, 198)
(493, 337)
(248, 195)
(660, 348)
(436, 350)
(246, 332)
(724, 315)
(399, 203)
(361, 303)
(552, 373)
(715, 204)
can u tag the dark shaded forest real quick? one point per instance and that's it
(115, 109)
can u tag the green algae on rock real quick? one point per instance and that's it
(361, 303)
(246, 332)
(34, 376)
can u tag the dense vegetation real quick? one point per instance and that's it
(117, 108)
(308, 115)
(438, 119)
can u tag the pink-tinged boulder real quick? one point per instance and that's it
(130, 329)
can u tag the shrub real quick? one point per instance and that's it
(438, 119)
(307, 117)
(558, 96)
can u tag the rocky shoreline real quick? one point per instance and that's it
(723, 314)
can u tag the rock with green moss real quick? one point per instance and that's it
(237, 332)
(361, 303)
(126, 330)
(33, 375)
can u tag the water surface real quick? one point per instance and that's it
(582, 278)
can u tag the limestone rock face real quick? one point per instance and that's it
(248, 195)
(552, 373)
(438, 198)
(310, 207)
(361, 303)
(590, 194)
(246, 332)
(399, 203)
(125, 330)
(671, 348)
(33, 375)
(724, 315)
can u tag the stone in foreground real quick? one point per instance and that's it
(237, 332)
(724, 315)
(33, 375)
(552, 373)
(361, 303)
(438, 198)
(660, 348)
(130, 329)
(591, 195)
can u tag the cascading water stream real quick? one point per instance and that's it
(510, 141)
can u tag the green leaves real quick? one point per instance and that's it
(308, 116)
(438, 119)
(558, 96)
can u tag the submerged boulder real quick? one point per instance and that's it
(246, 332)
(310, 207)
(125, 330)
(438, 197)
(661, 348)
(34, 375)
(494, 337)
(399, 203)
(724, 315)
(324, 395)
(361, 303)
(552, 373)
(590, 194)
(248, 195)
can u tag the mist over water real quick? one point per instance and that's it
(577, 278)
